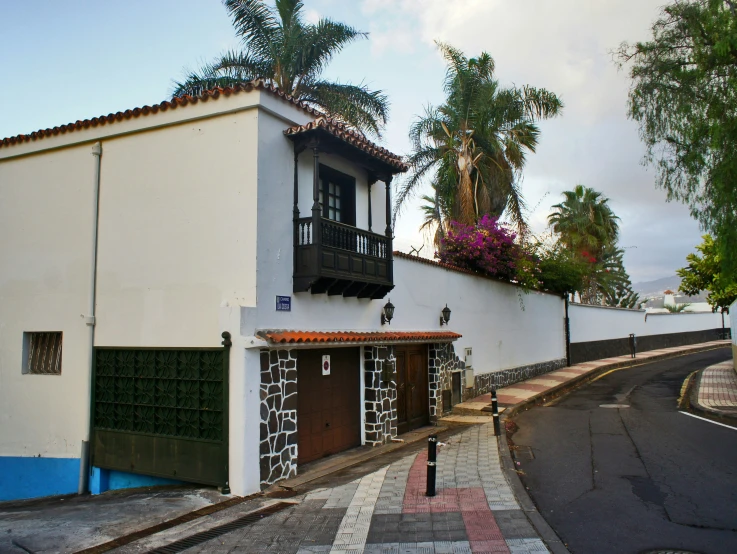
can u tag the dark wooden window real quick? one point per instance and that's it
(42, 353)
(337, 196)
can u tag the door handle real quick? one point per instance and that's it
(327, 424)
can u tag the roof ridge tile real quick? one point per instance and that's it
(177, 101)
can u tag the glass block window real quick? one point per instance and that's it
(42, 353)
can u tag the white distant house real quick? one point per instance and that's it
(205, 290)
(694, 304)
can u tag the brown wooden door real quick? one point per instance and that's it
(413, 395)
(328, 406)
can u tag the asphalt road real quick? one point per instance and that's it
(636, 479)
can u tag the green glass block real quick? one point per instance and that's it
(188, 394)
(189, 365)
(104, 389)
(104, 415)
(166, 392)
(166, 364)
(123, 418)
(212, 366)
(211, 395)
(188, 424)
(125, 361)
(211, 425)
(105, 362)
(165, 421)
(124, 390)
(146, 363)
(144, 419)
(145, 391)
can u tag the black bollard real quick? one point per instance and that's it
(495, 412)
(432, 454)
(633, 345)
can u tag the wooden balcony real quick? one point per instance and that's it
(338, 259)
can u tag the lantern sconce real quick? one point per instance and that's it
(387, 313)
(445, 316)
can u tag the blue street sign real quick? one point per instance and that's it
(283, 303)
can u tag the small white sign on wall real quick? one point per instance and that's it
(326, 364)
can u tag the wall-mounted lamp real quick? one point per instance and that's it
(388, 313)
(445, 316)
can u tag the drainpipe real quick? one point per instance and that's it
(84, 463)
(568, 332)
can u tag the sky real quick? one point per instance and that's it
(76, 59)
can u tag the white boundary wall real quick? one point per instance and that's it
(592, 323)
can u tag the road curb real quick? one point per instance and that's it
(690, 402)
(586, 378)
(546, 533)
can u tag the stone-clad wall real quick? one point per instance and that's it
(278, 446)
(443, 361)
(381, 395)
(485, 382)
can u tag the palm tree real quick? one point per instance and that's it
(285, 51)
(585, 222)
(474, 145)
(588, 228)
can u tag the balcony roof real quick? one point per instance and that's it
(348, 143)
(356, 337)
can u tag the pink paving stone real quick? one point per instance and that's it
(482, 529)
(531, 387)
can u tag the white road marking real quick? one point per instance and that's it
(354, 527)
(710, 421)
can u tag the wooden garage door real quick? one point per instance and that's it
(413, 393)
(328, 406)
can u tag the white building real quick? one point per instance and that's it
(197, 289)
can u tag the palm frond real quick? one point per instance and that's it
(257, 26)
(324, 40)
(356, 105)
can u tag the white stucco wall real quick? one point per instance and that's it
(177, 240)
(488, 313)
(46, 215)
(592, 323)
(733, 321)
(177, 232)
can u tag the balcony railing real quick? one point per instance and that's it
(341, 259)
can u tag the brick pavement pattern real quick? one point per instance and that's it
(718, 388)
(387, 512)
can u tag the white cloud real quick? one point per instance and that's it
(312, 16)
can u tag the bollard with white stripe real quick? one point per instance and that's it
(432, 455)
(495, 412)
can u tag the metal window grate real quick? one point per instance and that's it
(43, 353)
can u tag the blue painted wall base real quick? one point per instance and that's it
(24, 477)
(103, 480)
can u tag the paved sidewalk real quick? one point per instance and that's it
(717, 389)
(538, 387)
(387, 511)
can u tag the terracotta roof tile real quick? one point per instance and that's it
(352, 137)
(172, 104)
(325, 337)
